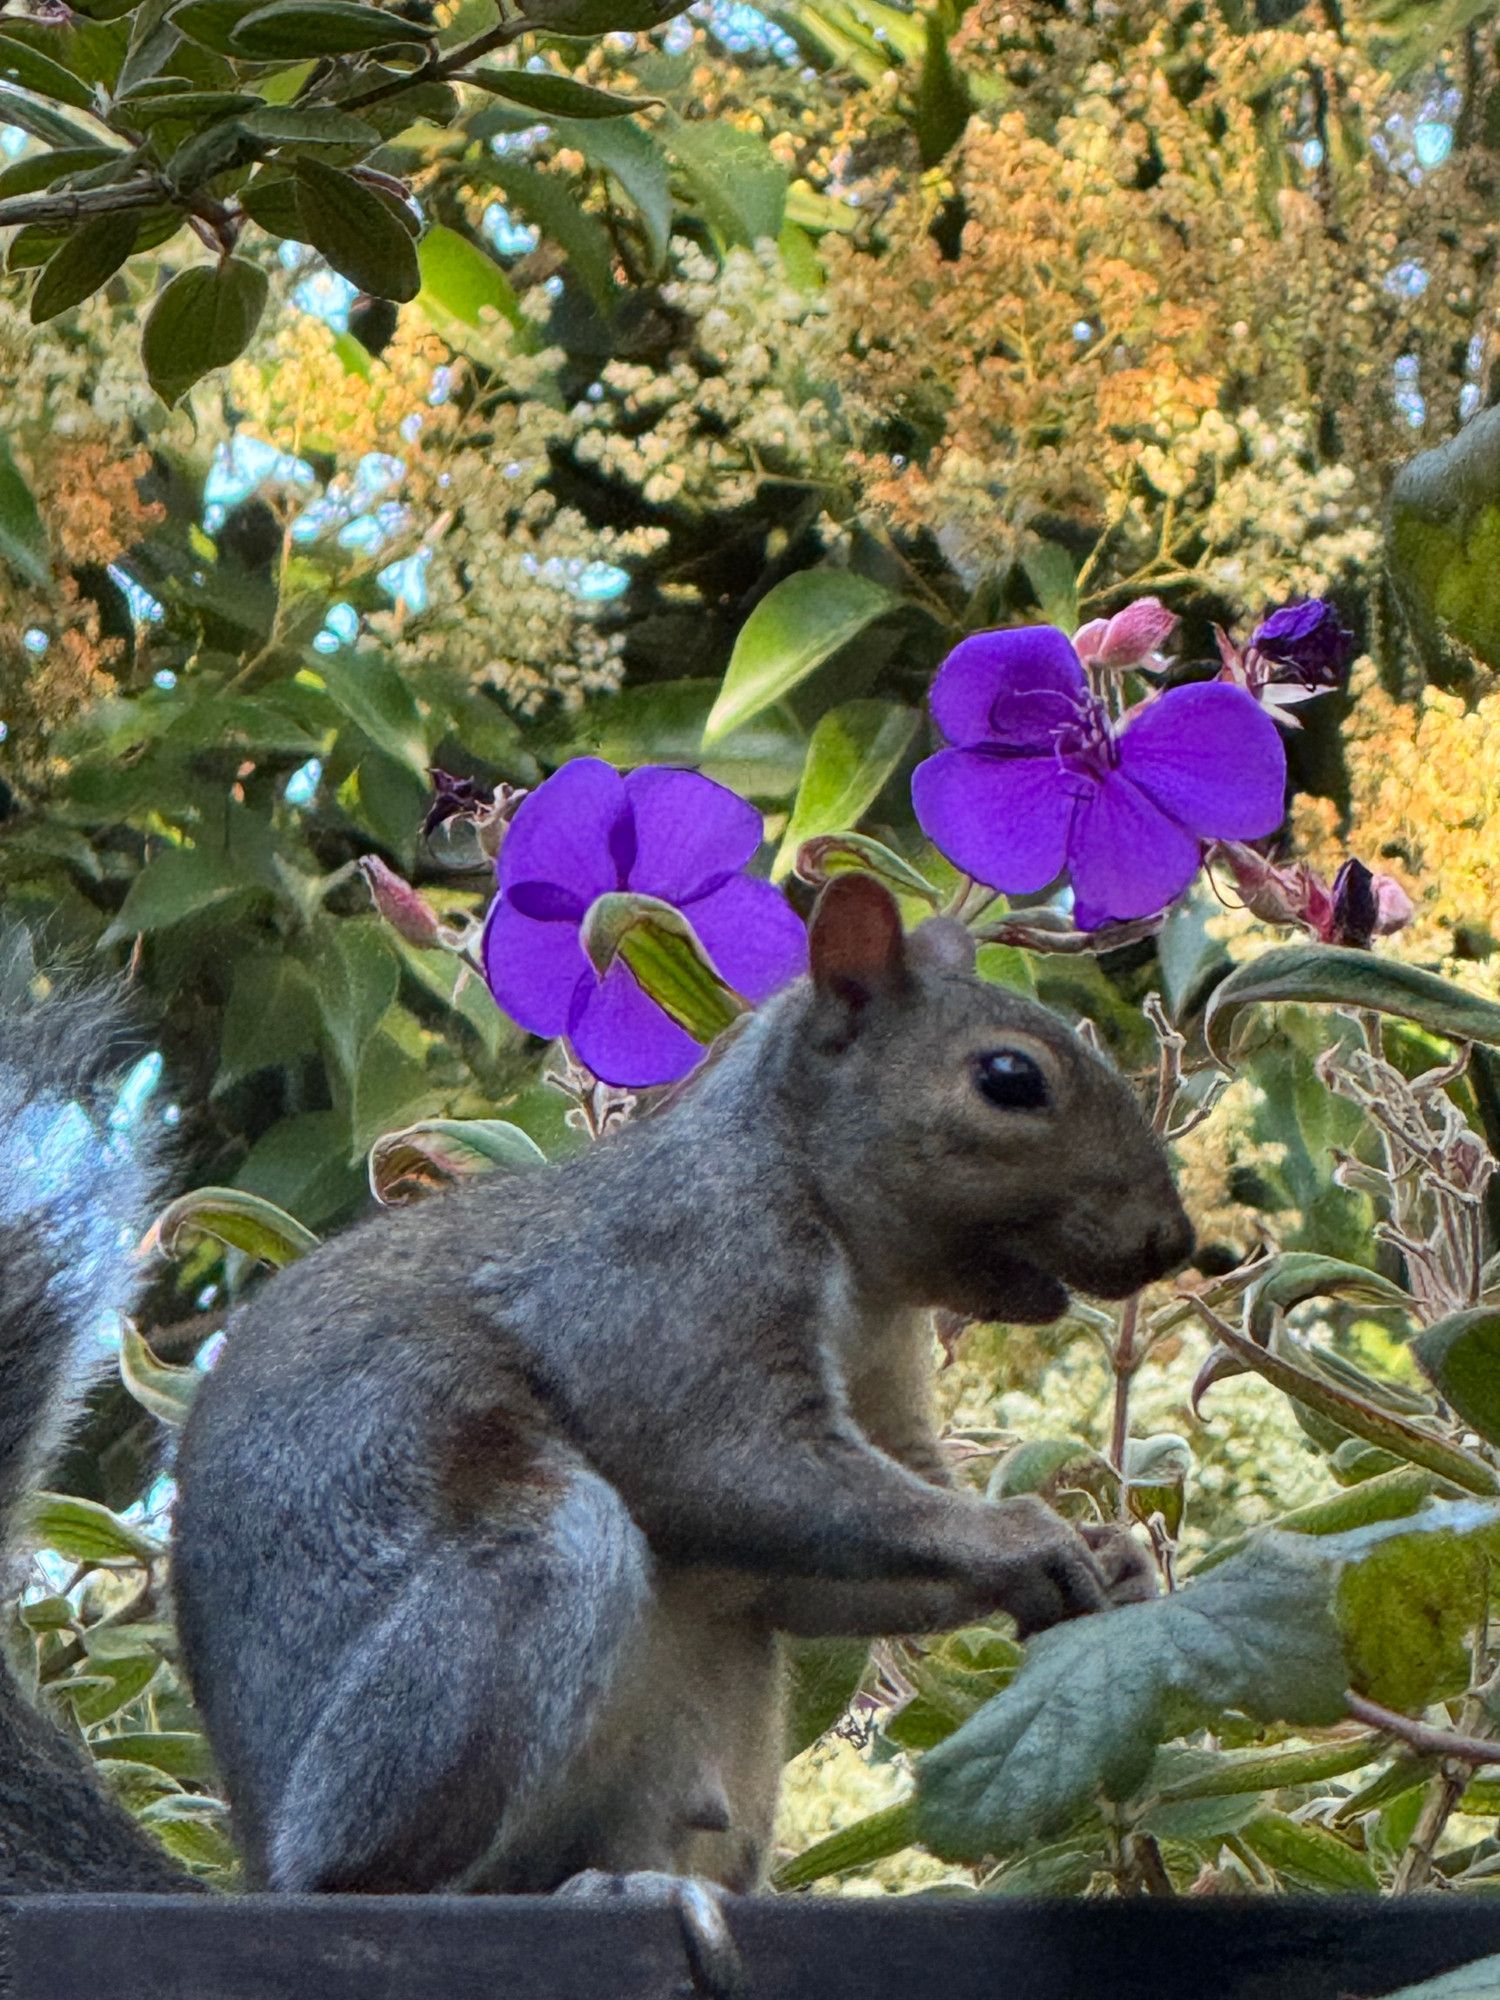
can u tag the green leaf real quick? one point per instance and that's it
(240, 1221)
(853, 751)
(1461, 1354)
(437, 1153)
(555, 96)
(271, 201)
(83, 1531)
(871, 1839)
(355, 977)
(1407, 1607)
(856, 854)
(203, 319)
(303, 1163)
(368, 687)
(1443, 540)
(1349, 1411)
(943, 103)
(591, 18)
(548, 201)
(637, 162)
(1049, 571)
(1041, 1465)
(795, 627)
(88, 259)
(1309, 1857)
(739, 185)
(822, 1678)
(356, 231)
(181, 1753)
(1266, 1634)
(1343, 978)
(42, 170)
(95, 1697)
(1298, 1275)
(1223, 1774)
(661, 722)
(297, 28)
(182, 883)
(1389, 1496)
(313, 125)
(188, 107)
(41, 121)
(194, 1828)
(165, 1391)
(270, 1020)
(28, 69)
(23, 539)
(661, 948)
(212, 23)
(462, 283)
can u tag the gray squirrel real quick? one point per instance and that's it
(493, 1510)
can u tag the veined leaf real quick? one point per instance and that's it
(661, 948)
(853, 751)
(555, 96)
(1461, 1354)
(438, 1152)
(356, 231)
(29, 69)
(166, 1391)
(203, 319)
(230, 1216)
(831, 854)
(1346, 978)
(84, 1531)
(1279, 1633)
(88, 259)
(294, 29)
(794, 628)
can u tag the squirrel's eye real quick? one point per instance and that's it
(1012, 1080)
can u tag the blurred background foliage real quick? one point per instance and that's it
(476, 392)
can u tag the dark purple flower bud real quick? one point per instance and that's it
(1367, 906)
(1307, 641)
(453, 798)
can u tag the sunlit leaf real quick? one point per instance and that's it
(794, 628)
(852, 752)
(240, 1221)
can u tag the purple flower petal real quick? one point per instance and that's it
(1011, 687)
(753, 935)
(1003, 820)
(561, 832)
(689, 832)
(533, 969)
(1126, 858)
(1211, 757)
(624, 1037)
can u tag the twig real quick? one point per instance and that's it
(25, 208)
(441, 69)
(1420, 1736)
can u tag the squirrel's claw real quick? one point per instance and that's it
(713, 1956)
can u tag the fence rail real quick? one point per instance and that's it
(527, 1948)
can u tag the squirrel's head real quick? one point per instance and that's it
(975, 1148)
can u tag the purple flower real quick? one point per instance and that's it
(673, 834)
(1308, 640)
(1039, 779)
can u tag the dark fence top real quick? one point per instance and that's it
(891, 1948)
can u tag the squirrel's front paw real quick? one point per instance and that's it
(712, 1956)
(1046, 1571)
(1128, 1571)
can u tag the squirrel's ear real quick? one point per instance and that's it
(855, 942)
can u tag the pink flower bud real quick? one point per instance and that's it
(1394, 909)
(1129, 639)
(407, 912)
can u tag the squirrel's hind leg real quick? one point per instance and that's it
(489, 1662)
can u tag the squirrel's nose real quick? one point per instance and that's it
(1169, 1244)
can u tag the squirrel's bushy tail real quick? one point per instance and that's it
(75, 1195)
